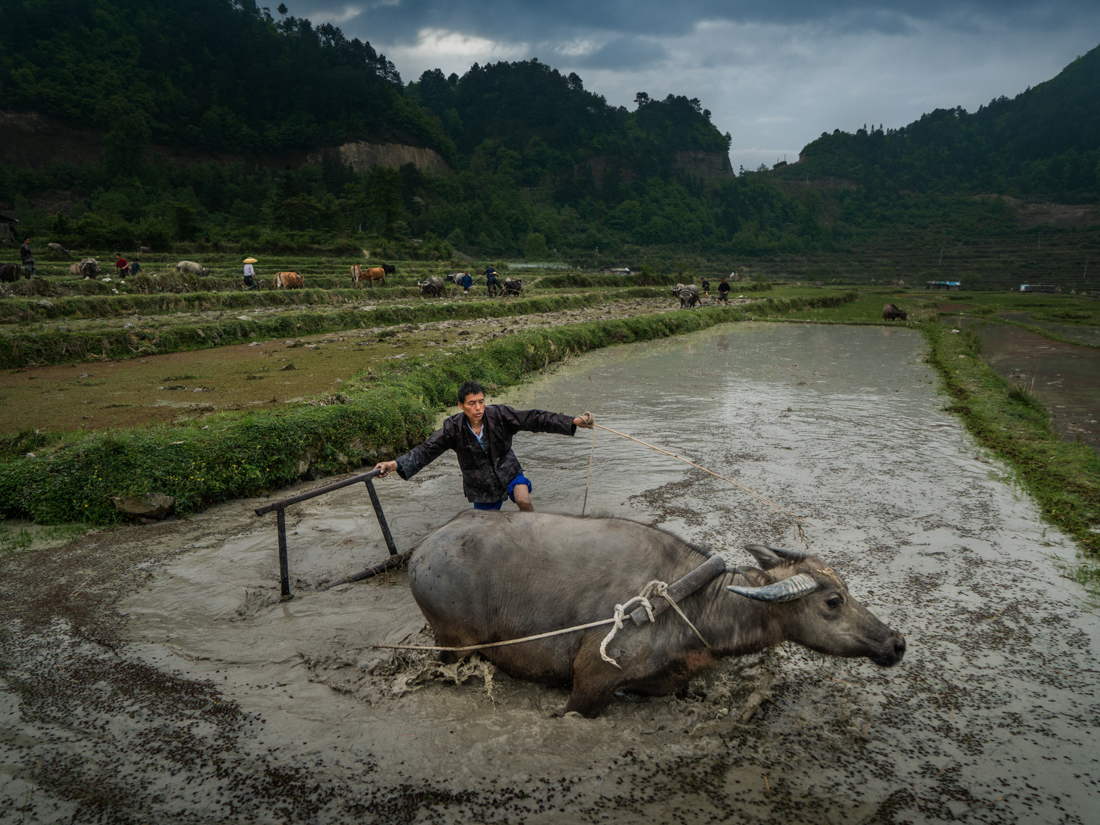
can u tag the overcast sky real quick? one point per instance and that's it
(774, 74)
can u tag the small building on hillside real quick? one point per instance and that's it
(956, 285)
(1037, 288)
(7, 228)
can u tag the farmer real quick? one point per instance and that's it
(122, 266)
(724, 291)
(249, 273)
(465, 282)
(492, 282)
(706, 288)
(481, 437)
(26, 258)
(135, 266)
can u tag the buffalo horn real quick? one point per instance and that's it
(786, 590)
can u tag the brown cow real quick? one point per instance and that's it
(375, 273)
(356, 274)
(287, 280)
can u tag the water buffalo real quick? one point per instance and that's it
(9, 273)
(145, 250)
(512, 286)
(892, 312)
(432, 286)
(688, 295)
(389, 269)
(88, 267)
(57, 249)
(370, 275)
(192, 268)
(489, 576)
(287, 280)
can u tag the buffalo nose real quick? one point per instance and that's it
(899, 647)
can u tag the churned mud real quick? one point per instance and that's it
(1065, 377)
(152, 674)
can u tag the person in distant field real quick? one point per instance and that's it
(465, 282)
(724, 291)
(490, 270)
(481, 437)
(249, 274)
(492, 282)
(26, 258)
(206, 236)
(122, 266)
(706, 288)
(135, 266)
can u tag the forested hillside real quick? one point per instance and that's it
(1044, 143)
(539, 166)
(199, 114)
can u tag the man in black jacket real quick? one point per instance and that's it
(481, 437)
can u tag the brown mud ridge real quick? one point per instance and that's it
(262, 374)
(152, 674)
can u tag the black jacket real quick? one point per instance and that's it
(485, 474)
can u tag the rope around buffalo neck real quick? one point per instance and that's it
(654, 588)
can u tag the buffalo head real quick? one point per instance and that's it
(820, 612)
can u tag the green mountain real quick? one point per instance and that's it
(1044, 143)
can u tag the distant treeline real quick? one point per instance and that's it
(1044, 143)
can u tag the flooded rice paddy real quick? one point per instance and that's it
(220, 702)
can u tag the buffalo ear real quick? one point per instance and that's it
(769, 557)
(757, 578)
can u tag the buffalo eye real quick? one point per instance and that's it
(834, 602)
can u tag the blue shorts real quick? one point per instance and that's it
(520, 479)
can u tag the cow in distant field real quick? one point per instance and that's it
(512, 286)
(892, 312)
(192, 268)
(288, 280)
(688, 295)
(370, 275)
(9, 273)
(432, 286)
(57, 249)
(145, 250)
(389, 269)
(88, 267)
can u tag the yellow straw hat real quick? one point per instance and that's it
(251, 261)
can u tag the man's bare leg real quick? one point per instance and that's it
(523, 498)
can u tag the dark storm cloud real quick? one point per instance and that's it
(397, 21)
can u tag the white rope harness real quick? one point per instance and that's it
(654, 588)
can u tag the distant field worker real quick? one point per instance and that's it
(706, 288)
(481, 437)
(492, 282)
(122, 266)
(724, 291)
(465, 282)
(249, 273)
(135, 266)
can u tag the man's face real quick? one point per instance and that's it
(474, 407)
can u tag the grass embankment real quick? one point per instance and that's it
(54, 479)
(58, 345)
(1063, 477)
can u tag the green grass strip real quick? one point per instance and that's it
(1062, 477)
(381, 413)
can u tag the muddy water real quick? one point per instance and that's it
(991, 718)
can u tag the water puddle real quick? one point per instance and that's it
(991, 717)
